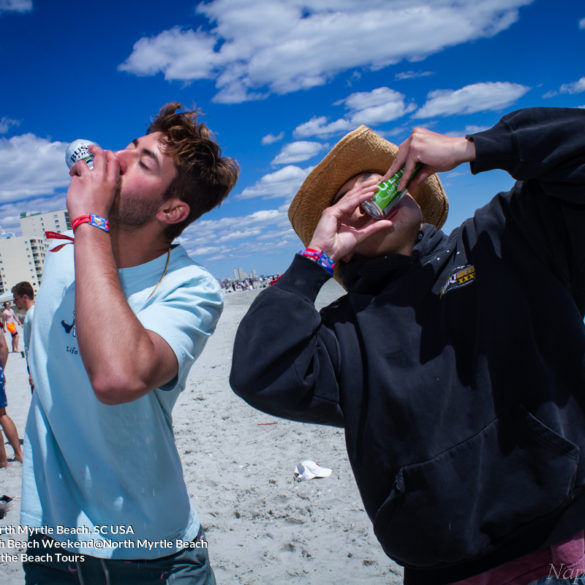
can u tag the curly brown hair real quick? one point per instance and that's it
(204, 178)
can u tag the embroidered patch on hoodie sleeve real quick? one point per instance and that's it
(461, 276)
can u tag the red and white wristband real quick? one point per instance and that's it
(95, 220)
(90, 218)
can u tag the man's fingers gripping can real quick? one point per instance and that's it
(78, 150)
(387, 197)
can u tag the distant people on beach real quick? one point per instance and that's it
(119, 319)
(455, 362)
(256, 283)
(11, 323)
(24, 299)
(6, 422)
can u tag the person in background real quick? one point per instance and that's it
(120, 317)
(6, 422)
(24, 300)
(455, 362)
(11, 322)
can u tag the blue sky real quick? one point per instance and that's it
(280, 82)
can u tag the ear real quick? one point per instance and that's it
(173, 210)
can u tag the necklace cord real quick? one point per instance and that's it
(162, 276)
(70, 240)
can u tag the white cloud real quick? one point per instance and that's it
(272, 138)
(469, 129)
(473, 129)
(575, 87)
(6, 124)
(260, 232)
(206, 250)
(377, 106)
(15, 6)
(412, 75)
(238, 235)
(570, 88)
(185, 55)
(365, 107)
(214, 230)
(582, 24)
(31, 167)
(303, 45)
(282, 183)
(319, 126)
(297, 152)
(208, 229)
(471, 98)
(278, 234)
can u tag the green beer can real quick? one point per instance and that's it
(387, 197)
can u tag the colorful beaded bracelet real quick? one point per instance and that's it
(319, 257)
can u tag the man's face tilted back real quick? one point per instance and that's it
(145, 175)
(399, 238)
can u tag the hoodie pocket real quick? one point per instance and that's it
(463, 503)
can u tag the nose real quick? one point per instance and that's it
(124, 157)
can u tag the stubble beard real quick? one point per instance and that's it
(132, 211)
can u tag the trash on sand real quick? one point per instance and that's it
(309, 469)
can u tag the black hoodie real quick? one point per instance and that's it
(458, 372)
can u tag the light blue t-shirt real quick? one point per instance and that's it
(108, 477)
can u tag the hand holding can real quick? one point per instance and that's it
(78, 150)
(387, 197)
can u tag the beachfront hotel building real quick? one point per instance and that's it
(35, 225)
(23, 257)
(239, 274)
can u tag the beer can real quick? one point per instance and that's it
(387, 196)
(78, 150)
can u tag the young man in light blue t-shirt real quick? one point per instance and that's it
(24, 299)
(120, 317)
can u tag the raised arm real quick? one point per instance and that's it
(542, 144)
(438, 153)
(124, 361)
(285, 357)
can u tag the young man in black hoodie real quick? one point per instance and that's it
(455, 362)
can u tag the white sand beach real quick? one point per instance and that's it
(263, 527)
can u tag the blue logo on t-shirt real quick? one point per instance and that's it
(69, 328)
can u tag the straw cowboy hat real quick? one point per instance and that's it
(358, 152)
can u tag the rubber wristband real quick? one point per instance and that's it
(319, 257)
(95, 220)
